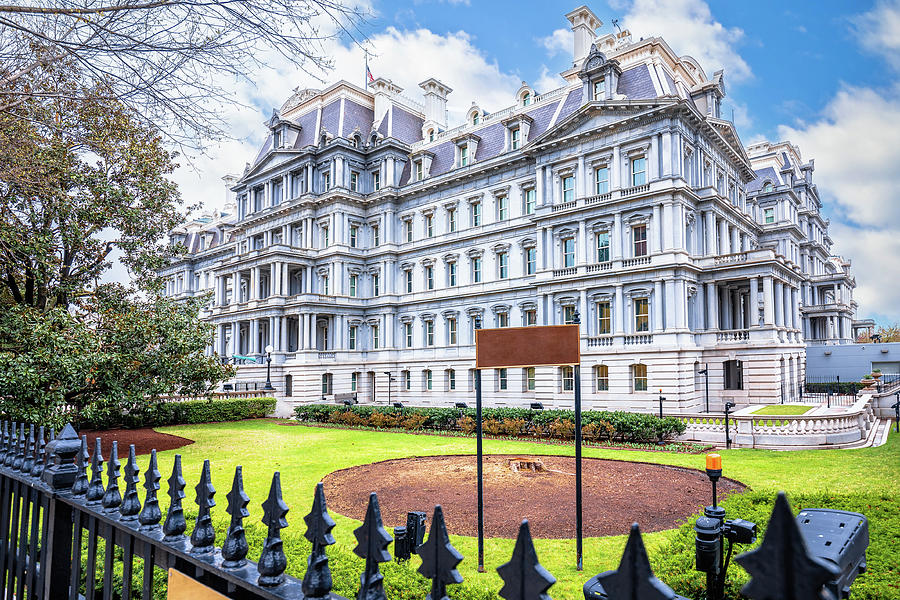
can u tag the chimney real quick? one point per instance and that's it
(383, 90)
(584, 25)
(435, 101)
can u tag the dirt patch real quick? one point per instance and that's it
(144, 440)
(616, 493)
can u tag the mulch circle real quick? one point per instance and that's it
(616, 494)
(144, 440)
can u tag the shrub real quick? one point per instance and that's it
(492, 426)
(514, 427)
(414, 422)
(381, 420)
(466, 424)
(185, 413)
(563, 429)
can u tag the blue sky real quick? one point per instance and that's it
(824, 74)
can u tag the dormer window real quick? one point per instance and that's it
(515, 138)
(277, 136)
(464, 155)
(526, 99)
(420, 171)
(431, 135)
(475, 119)
(768, 187)
(599, 89)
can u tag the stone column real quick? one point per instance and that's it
(768, 301)
(657, 301)
(615, 169)
(710, 233)
(620, 311)
(723, 236)
(617, 236)
(581, 244)
(236, 337)
(668, 226)
(779, 304)
(658, 228)
(735, 240)
(712, 306)
(753, 310)
(581, 179)
(680, 304)
(727, 320)
(786, 304)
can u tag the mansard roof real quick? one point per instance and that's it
(636, 84)
(763, 175)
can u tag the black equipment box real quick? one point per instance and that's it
(839, 538)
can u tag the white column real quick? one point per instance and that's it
(617, 236)
(710, 233)
(657, 302)
(615, 170)
(768, 301)
(723, 236)
(581, 179)
(712, 306)
(735, 240)
(659, 229)
(779, 304)
(581, 244)
(680, 304)
(620, 311)
(754, 302)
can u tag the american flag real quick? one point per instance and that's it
(369, 77)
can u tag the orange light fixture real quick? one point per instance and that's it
(713, 462)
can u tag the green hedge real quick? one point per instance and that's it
(673, 562)
(158, 414)
(622, 426)
(847, 388)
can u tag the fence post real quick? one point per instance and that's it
(59, 475)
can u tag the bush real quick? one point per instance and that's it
(597, 425)
(847, 388)
(188, 412)
(414, 422)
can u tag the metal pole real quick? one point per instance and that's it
(268, 371)
(579, 563)
(480, 474)
(897, 412)
(706, 368)
(727, 436)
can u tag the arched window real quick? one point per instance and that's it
(526, 99)
(475, 119)
(768, 187)
(431, 135)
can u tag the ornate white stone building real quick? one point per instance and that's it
(370, 238)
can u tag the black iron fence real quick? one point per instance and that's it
(831, 390)
(57, 514)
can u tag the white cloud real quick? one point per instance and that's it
(855, 151)
(548, 81)
(879, 31)
(560, 41)
(689, 28)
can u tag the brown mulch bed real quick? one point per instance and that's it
(616, 494)
(144, 440)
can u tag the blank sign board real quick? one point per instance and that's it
(550, 345)
(182, 587)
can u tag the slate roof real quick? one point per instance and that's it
(331, 116)
(636, 83)
(542, 117)
(766, 173)
(406, 126)
(307, 135)
(572, 103)
(359, 116)
(673, 89)
(493, 138)
(266, 147)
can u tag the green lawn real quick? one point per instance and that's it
(304, 455)
(783, 409)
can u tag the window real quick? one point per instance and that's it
(326, 240)
(734, 375)
(502, 208)
(475, 119)
(530, 201)
(601, 180)
(406, 380)
(354, 181)
(409, 282)
(602, 372)
(464, 155)
(276, 138)
(641, 315)
(639, 376)
(429, 277)
(431, 135)
(408, 229)
(604, 317)
(476, 270)
(375, 340)
(768, 187)
(326, 181)
(529, 379)
(326, 383)
(354, 381)
(451, 220)
(428, 380)
(276, 192)
(429, 333)
(503, 265)
(354, 281)
(376, 285)
(376, 181)
(599, 89)
(258, 198)
(568, 315)
(568, 379)
(451, 379)
(526, 99)
(376, 235)
(530, 261)
(451, 274)
(603, 247)
(502, 379)
(408, 334)
(568, 188)
(769, 215)
(420, 171)
(503, 319)
(514, 138)
(638, 171)
(530, 317)
(353, 332)
(639, 234)
(429, 225)
(568, 249)
(325, 289)
(354, 235)
(476, 214)
(451, 331)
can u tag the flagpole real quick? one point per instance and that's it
(366, 74)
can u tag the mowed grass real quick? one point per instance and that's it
(304, 455)
(783, 409)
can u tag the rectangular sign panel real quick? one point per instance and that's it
(182, 587)
(527, 346)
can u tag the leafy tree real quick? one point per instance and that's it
(886, 333)
(81, 178)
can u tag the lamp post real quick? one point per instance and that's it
(660, 441)
(268, 387)
(705, 371)
(728, 407)
(896, 408)
(390, 379)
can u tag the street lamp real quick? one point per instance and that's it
(705, 371)
(268, 387)
(390, 379)
(728, 407)
(660, 442)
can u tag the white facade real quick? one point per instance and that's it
(370, 239)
